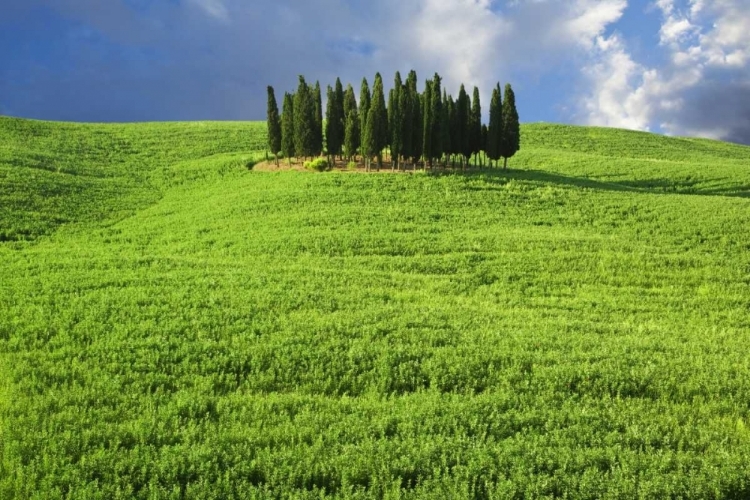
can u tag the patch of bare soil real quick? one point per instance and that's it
(338, 166)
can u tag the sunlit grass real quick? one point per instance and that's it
(173, 324)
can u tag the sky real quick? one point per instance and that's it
(679, 67)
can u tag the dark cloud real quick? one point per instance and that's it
(715, 105)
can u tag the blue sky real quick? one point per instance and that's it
(680, 67)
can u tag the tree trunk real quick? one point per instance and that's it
(505, 163)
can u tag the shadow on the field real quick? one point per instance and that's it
(655, 186)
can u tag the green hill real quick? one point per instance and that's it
(176, 325)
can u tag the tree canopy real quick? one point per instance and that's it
(428, 127)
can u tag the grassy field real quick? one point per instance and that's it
(175, 325)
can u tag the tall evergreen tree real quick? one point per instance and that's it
(288, 148)
(333, 141)
(463, 125)
(369, 139)
(511, 141)
(495, 131)
(406, 121)
(396, 119)
(350, 104)
(340, 125)
(436, 111)
(427, 121)
(274, 125)
(475, 125)
(453, 120)
(351, 134)
(380, 118)
(318, 119)
(364, 109)
(335, 119)
(445, 128)
(484, 141)
(390, 111)
(415, 120)
(305, 143)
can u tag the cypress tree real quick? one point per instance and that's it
(332, 142)
(340, 125)
(511, 141)
(445, 128)
(476, 143)
(351, 134)
(364, 109)
(415, 121)
(350, 104)
(335, 120)
(391, 110)
(396, 119)
(436, 111)
(274, 125)
(287, 128)
(369, 139)
(453, 120)
(484, 140)
(495, 130)
(463, 125)
(318, 141)
(406, 121)
(380, 119)
(427, 120)
(304, 120)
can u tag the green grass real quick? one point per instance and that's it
(174, 325)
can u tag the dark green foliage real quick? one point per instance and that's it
(453, 126)
(511, 141)
(369, 140)
(288, 148)
(436, 117)
(445, 127)
(396, 119)
(476, 143)
(495, 129)
(379, 117)
(352, 133)
(338, 108)
(318, 140)
(334, 130)
(484, 138)
(364, 110)
(464, 125)
(415, 123)
(350, 104)
(407, 132)
(427, 123)
(274, 125)
(305, 141)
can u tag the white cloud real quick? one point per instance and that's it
(214, 8)
(613, 102)
(701, 90)
(590, 18)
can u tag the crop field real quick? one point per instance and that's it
(174, 324)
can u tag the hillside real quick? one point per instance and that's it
(176, 325)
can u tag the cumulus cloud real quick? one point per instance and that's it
(703, 89)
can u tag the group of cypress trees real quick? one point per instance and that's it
(430, 126)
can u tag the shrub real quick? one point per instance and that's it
(351, 165)
(319, 165)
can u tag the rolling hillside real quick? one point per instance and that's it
(176, 325)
